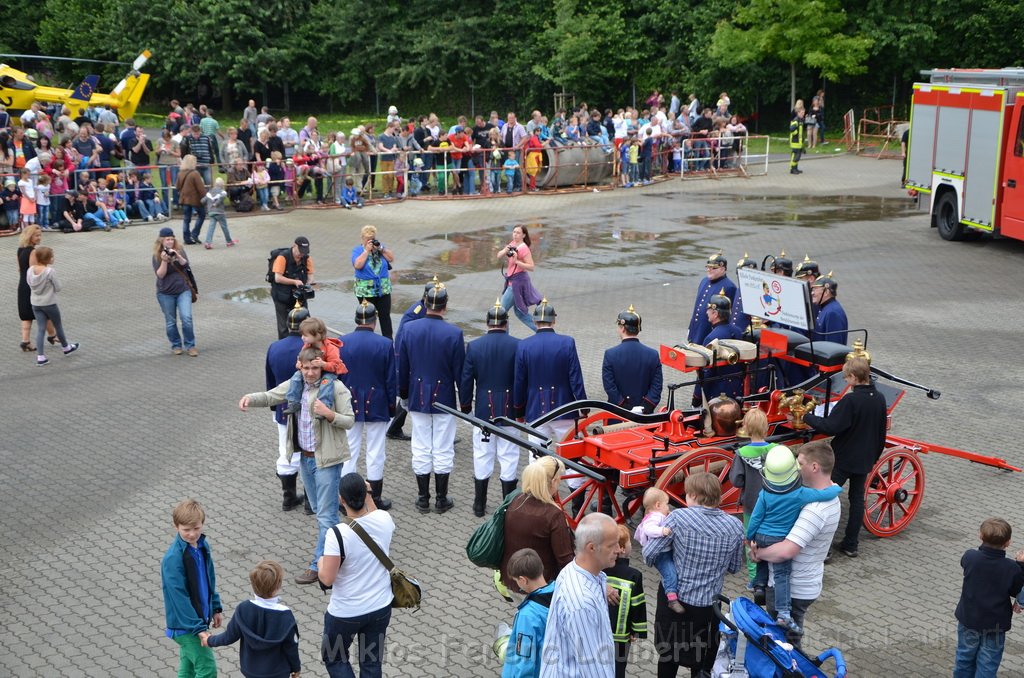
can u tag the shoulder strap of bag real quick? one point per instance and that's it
(341, 543)
(371, 544)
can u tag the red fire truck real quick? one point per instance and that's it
(966, 151)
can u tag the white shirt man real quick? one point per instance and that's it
(578, 639)
(807, 544)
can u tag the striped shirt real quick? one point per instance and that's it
(307, 436)
(706, 543)
(578, 640)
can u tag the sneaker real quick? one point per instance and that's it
(207, 245)
(675, 606)
(307, 577)
(348, 207)
(42, 363)
(760, 597)
(232, 243)
(176, 351)
(848, 552)
(193, 352)
(785, 621)
(71, 348)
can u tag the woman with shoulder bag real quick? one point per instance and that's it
(361, 597)
(174, 291)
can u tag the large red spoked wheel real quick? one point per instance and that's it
(590, 491)
(894, 491)
(712, 460)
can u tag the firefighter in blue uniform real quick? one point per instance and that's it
(726, 379)
(430, 362)
(491, 367)
(830, 324)
(717, 279)
(373, 381)
(548, 374)
(781, 265)
(631, 372)
(280, 366)
(414, 312)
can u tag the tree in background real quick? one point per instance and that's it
(805, 32)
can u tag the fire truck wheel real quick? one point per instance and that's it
(947, 217)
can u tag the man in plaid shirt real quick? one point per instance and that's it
(706, 543)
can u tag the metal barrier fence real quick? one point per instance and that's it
(450, 172)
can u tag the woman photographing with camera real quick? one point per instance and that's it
(519, 291)
(372, 263)
(174, 291)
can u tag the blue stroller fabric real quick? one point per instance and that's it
(766, 658)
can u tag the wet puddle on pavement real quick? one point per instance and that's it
(803, 211)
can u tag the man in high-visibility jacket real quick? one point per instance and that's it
(796, 137)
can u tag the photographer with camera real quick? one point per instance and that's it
(293, 282)
(519, 291)
(372, 263)
(174, 291)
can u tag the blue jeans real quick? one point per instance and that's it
(223, 221)
(667, 569)
(781, 572)
(322, 489)
(175, 306)
(468, 177)
(13, 218)
(43, 215)
(978, 653)
(141, 209)
(169, 177)
(494, 178)
(192, 235)
(339, 632)
(95, 220)
(263, 194)
(325, 395)
(508, 301)
(206, 172)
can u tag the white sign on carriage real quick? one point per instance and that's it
(776, 298)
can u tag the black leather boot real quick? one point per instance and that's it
(442, 503)
(423, 501)
(376, 487)
(395, 429)
(290, 499)
(508, 487)
(480, 497)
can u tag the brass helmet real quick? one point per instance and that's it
(629, 320)
(828, 282)
(716, 259)
(544, 312)
(436, 298)
(745, 262)
(296, 316)
(807, 267)
(782, 265)
(496, 315)
(429, 286)
(721, 303)
(366, 313)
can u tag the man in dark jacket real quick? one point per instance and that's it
(631, 372)
(858, 423)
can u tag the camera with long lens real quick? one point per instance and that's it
(303, 292)
(510, 252)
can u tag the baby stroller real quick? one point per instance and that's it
(753, 646)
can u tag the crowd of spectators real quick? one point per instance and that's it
(267, 163)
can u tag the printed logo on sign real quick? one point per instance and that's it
(771, 297)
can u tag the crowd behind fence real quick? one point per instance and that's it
(349, 180)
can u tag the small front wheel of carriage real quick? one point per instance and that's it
(712, 460)
(893, 492)
(601, 493)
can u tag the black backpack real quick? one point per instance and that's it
(274, 254)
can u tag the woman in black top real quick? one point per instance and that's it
(30, 239)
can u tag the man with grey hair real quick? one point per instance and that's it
(578, 640)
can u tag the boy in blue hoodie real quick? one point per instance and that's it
(191, 602)
(526, 643)
(778, 506)
(267, 629)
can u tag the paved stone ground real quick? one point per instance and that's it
(99, 446)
